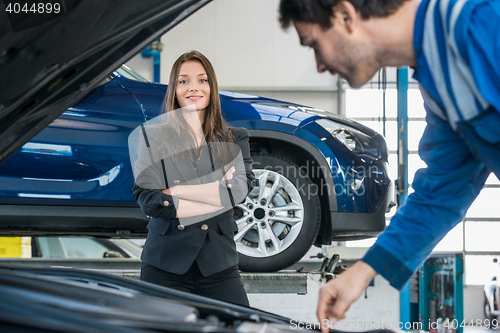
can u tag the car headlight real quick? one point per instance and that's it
(355, 140)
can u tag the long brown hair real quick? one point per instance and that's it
(215, 129)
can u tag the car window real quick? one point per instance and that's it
(71, 247)
(126, 245)
(129, 73)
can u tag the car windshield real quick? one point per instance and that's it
(129, 73)
(129, 246)
(83, 248)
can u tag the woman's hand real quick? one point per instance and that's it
(229, 174)
(167, 191)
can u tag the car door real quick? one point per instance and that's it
(81, 156)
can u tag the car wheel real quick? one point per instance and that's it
(280, 218)
(487, 310)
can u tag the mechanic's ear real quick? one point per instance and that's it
(346, 15)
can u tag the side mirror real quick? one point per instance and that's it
(112, 254)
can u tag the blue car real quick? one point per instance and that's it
(327, 175)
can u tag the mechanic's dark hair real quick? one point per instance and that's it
(217, 132)
(320, 11)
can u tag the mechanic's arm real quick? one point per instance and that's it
(443, 193)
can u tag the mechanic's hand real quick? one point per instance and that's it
(229, 173)
(338, 294)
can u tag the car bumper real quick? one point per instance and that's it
(352, 226)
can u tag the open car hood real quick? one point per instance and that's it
(49, 67)
(34, 299)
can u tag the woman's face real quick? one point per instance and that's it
(192, 86)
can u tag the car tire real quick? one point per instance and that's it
(487, 311)
(277, 225)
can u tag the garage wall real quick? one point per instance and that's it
(250, 53)
(473, 303)
(247, 47)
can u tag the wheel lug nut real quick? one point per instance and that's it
(250, 206)
(250, 220)
(263, 202)
(271, 213)
(263, 225)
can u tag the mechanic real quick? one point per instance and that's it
(453, 46)
(192, 168)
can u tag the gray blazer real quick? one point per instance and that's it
(175, 244)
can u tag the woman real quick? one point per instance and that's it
(190, 172)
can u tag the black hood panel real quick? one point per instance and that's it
(46, 69)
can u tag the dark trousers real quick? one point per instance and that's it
(224, 286)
